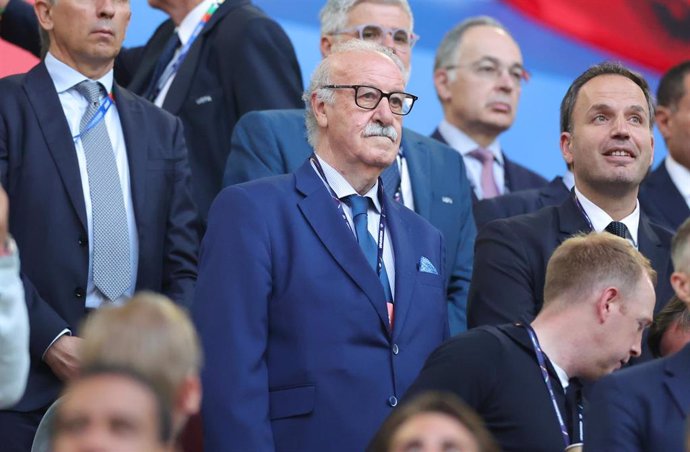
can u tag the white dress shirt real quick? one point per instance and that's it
(462, 143)
(680, 176)
(342, 188)
(600, 219)
(184, 33)
(405, 182)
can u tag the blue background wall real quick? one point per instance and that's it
(552, 59)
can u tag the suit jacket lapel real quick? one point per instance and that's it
(149, 59)
(320, 210)
(677, 378)
(418, 167)
(41, 93)
(571, 220)
(669, 200)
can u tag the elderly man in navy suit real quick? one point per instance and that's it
(665, 193)
(98, 180)
(646, 408)
(319, 297)
(428, 177)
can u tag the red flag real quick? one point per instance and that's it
(652, 33)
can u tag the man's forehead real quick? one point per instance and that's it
(383, 14)
(490, 42)
(363, 67)
(611, 90)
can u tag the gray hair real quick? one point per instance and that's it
(447, 51)
(334, 13)
(322, 77)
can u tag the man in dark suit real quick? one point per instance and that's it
(429, 178)
(99, 187)
(477, 73)
(665, 193)
(310, 337)
(646, 408)
(241, 61)
(606, 137)
(524, 379)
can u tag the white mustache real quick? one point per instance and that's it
(377, 130)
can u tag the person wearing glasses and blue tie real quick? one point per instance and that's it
(319, 297)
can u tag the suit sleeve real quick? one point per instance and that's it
(612, 419)
(231, 314)
(19, 26)
(487, 210)
(254, 151)
(182, 231)
(502, 284)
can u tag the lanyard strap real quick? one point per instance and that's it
(582, 211)
(339, 203)
(97, 117)
(168, 73)
(547, 381)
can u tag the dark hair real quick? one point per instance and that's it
(674, 313)
(671, 87)
(605, 68)
(433, 402)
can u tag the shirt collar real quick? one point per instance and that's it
(680, 176)
(459, 140)
(65, 77)
(342, 187)
(600, 219)
(190, 21)
(562, 376)
(569, 180)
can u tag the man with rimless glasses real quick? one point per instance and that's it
(478, 73)
(428, 177)
(319, 297)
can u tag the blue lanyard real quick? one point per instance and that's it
(339, 203)
(547, 380)
(97, 117)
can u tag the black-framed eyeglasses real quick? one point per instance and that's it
(402, 39)
(368, 97)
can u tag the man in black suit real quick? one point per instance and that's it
(100, 194)
(606, 137)
(240, 61)
(521, 378)
(477, 73)
(665, 193)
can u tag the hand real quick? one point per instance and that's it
(63, 357)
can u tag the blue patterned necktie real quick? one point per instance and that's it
(359, 206)
(162, 68)
(390, 177)
(111, 254)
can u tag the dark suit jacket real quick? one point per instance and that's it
(242, 61)
(293, 321)
(641, 409)
(39, 169)
(520, 202)
(495, 371)
(274, 142)
(662, 201)
(511, 256)
(517, 177)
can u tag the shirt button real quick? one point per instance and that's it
(79, 292)
(393, 401)
(395, 349)
(83, 241)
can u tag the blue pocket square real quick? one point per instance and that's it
(426, 266)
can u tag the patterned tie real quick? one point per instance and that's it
(617, 228)
(359, 206)
(162, 72)
(390, 177)
(111, 254)
(487, 181)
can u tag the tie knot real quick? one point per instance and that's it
(358, 204)
(483, 155)
(90, 90)
(617, 228)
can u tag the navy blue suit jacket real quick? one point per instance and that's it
(517, 177)
(520, 202)
(293, 321)
(39, 170)
(274, 142)
(641, 409)
(242, 61)
(511, 256)
(662, 201)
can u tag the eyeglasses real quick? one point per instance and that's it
(491, 69)
(368, 97)
(402, 39)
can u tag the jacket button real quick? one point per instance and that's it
(393, 401)
(395, 349)
(83, 241)
(79, 292)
